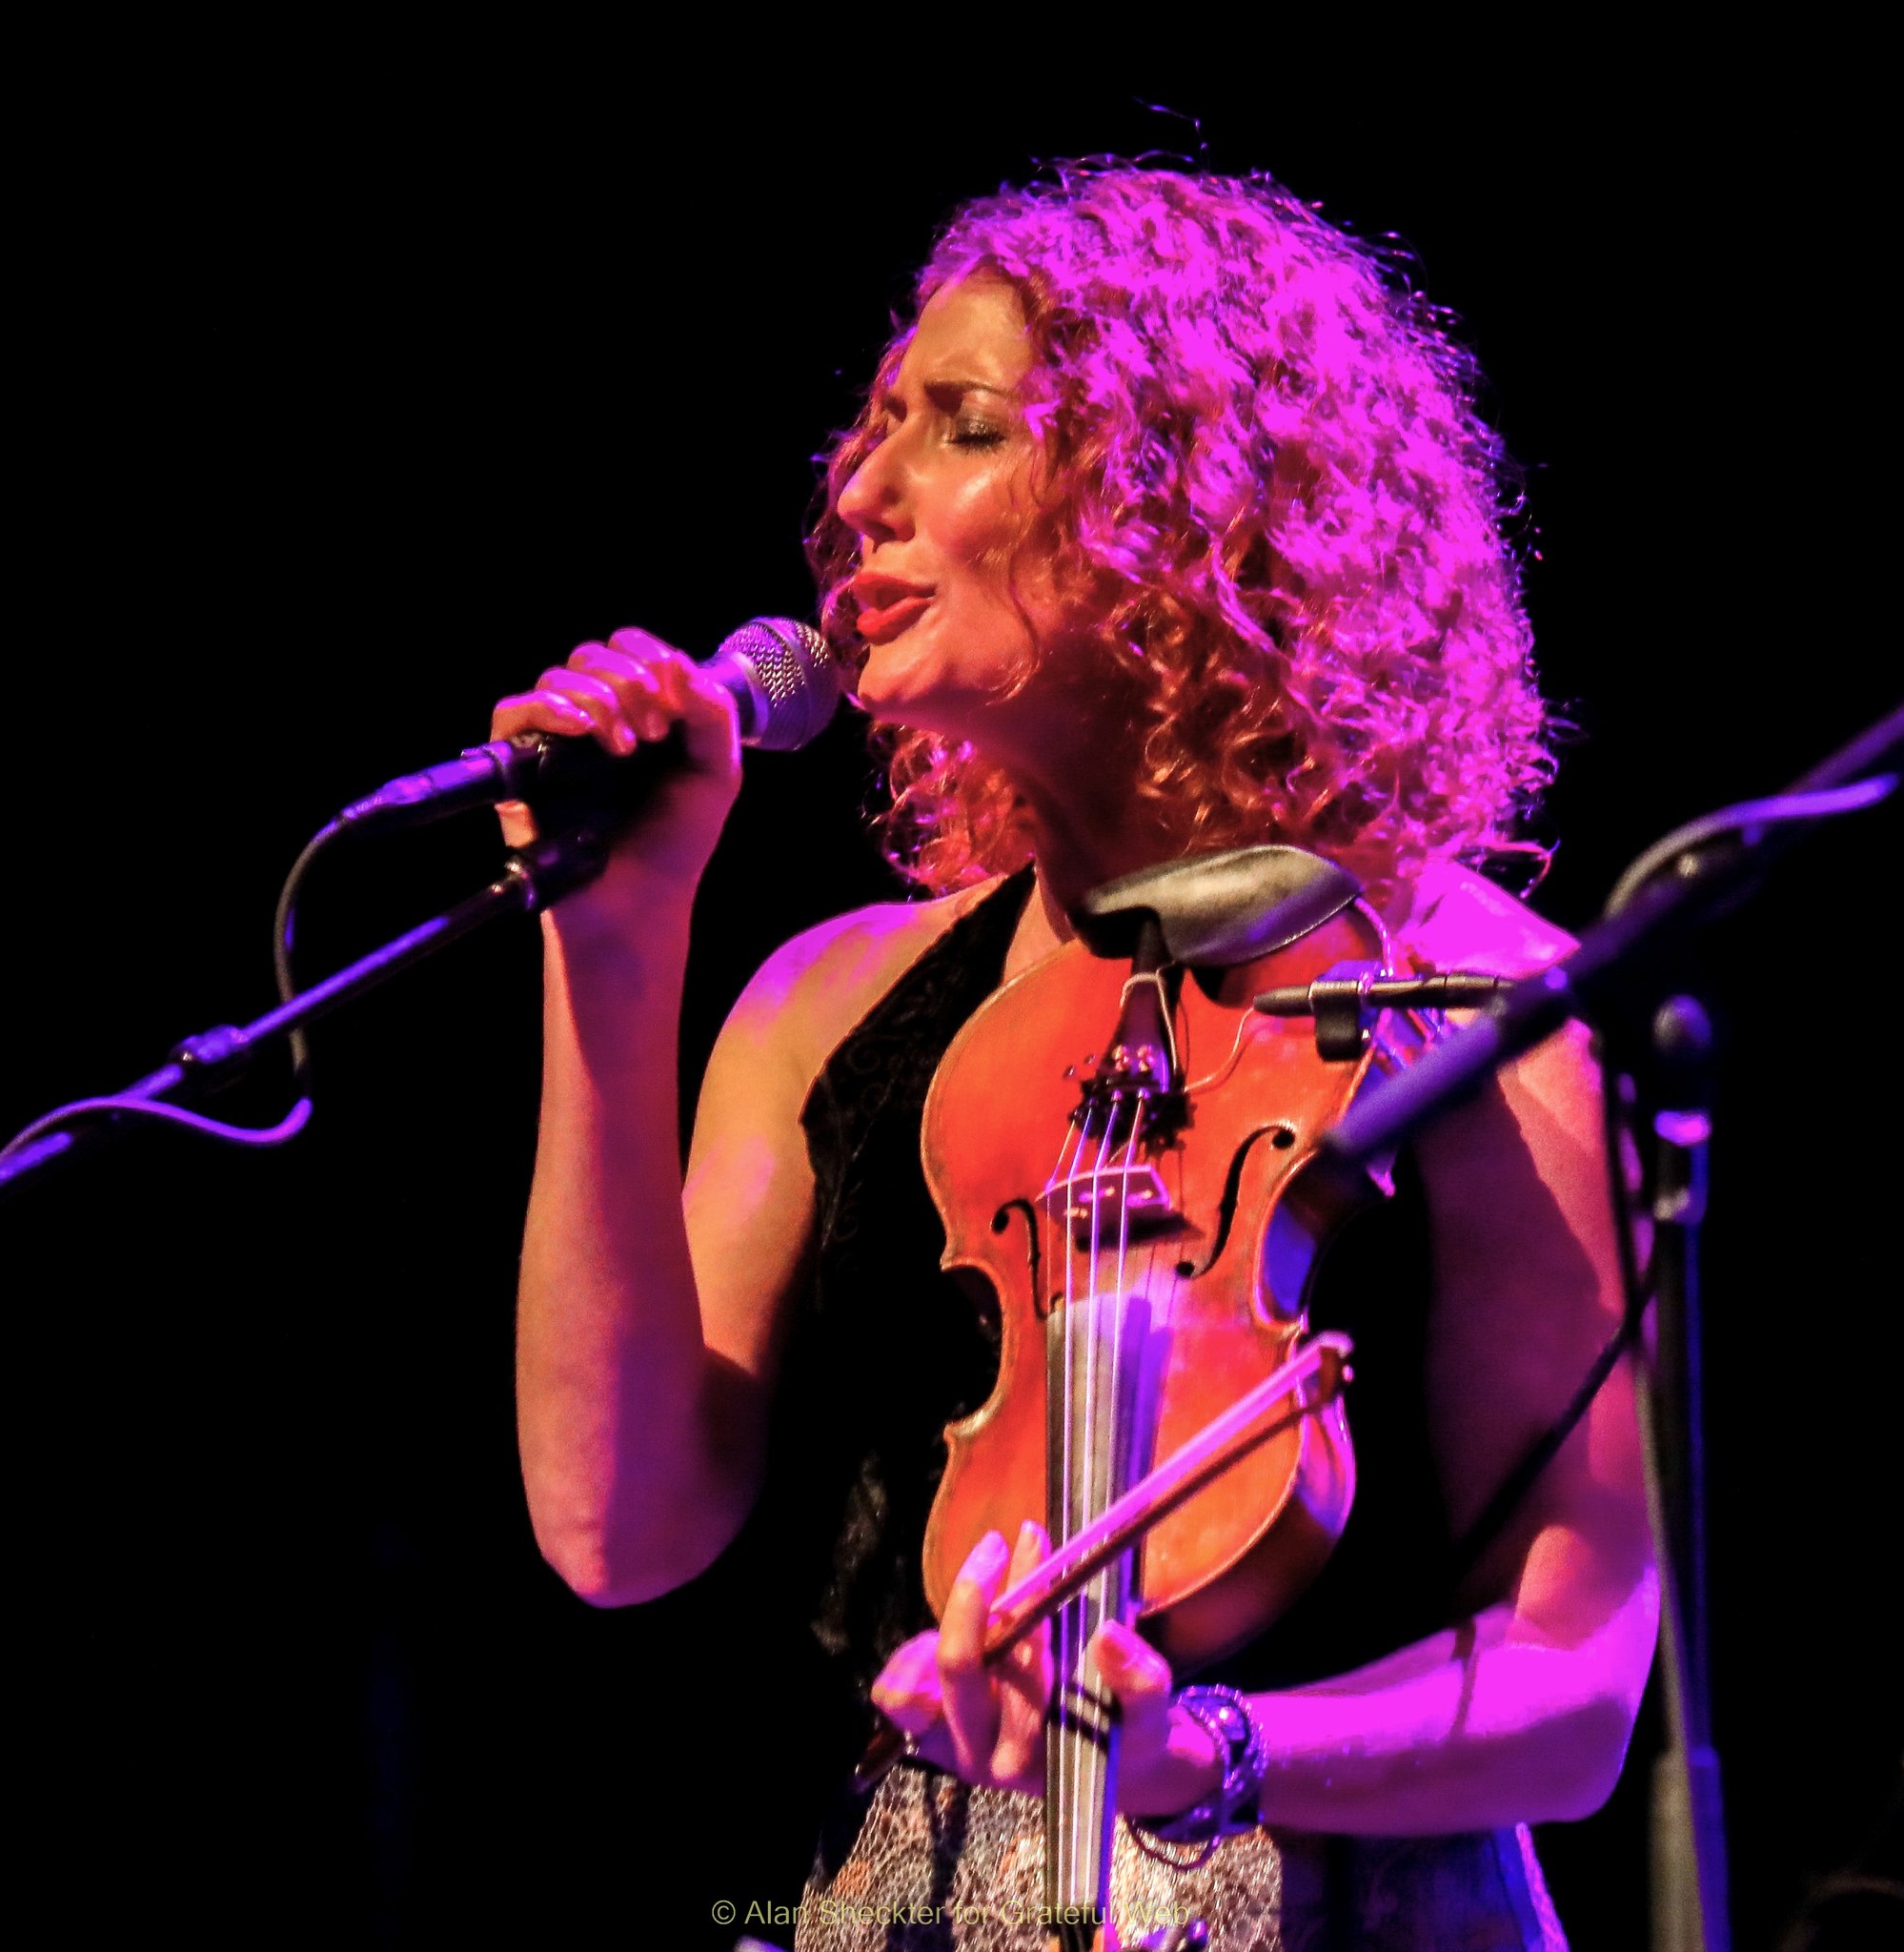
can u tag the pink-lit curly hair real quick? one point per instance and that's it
(1262, 458)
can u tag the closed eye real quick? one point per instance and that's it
(980, 415)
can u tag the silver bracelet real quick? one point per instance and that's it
(1224, 1714)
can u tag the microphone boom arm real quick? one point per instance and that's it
(785, 684)
(533, 878)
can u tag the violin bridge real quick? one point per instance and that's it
(1122, 1200)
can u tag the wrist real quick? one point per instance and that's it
(1236, 1759)
(623, 917)
(1189, 1771)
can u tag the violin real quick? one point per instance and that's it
(1120, 1149)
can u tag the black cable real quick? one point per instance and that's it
(284, 945)
(284, 930)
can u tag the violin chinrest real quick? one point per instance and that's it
(1217, 910)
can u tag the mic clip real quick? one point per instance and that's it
(1346, 1000)
(1344, 1014)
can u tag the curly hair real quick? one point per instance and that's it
(1263, 461)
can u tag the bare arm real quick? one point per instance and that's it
(651, 1315)
(645, 1343)
(1523, 1712)
(641, 1361)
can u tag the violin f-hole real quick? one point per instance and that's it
(1282, 1137)
(1001, 1220)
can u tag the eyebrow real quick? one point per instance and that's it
(950, 384)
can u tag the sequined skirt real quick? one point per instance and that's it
(937, 1866)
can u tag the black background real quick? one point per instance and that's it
(349, 392)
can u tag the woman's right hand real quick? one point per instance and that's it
(631, 691)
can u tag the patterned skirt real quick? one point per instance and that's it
(934, 1865)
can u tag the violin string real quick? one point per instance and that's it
(1068, 1656)
(1085, 1755)
(1138, 1106)
(1060, 1502)
(1105, 1457)
(1089, 1466)
(1112, 1575)
(1069, 1650)
(1113, 1126)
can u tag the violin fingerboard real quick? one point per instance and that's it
(1097, 1366)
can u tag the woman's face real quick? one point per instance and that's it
(953, 604)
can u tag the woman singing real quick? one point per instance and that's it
(1169, 527)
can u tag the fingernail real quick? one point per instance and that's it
(988, 1556)
(1027, 1536)
(624, 737)
(1128, 1651)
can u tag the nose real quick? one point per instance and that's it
(874, 501)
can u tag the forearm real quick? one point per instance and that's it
(1473, 1728)
(614, 1380)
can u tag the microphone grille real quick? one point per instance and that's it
(798, 682)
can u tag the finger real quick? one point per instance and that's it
(533, 711)
(969, 1694)
(637, 688)
(906, 1690)
(638, 651)
(1024, 1681)
(538, 711)
(707, 711)
(641, 646)
(681, 690)
(612, 725)
(518, 823)
(1140, 1679)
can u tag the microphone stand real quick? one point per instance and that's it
(1620, 962)
(1689, 1842)
(533, 878)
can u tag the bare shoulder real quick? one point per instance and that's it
(1527, 1296)
(812, 990)
(1454, 919)
(749, 1190)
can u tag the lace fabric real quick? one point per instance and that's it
(939, 1866)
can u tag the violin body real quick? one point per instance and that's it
(1197, 1290)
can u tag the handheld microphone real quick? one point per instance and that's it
(780, 675)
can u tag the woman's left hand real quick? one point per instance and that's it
(986, 1724)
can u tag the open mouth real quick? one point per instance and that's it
(887, 604)
(879, 622)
